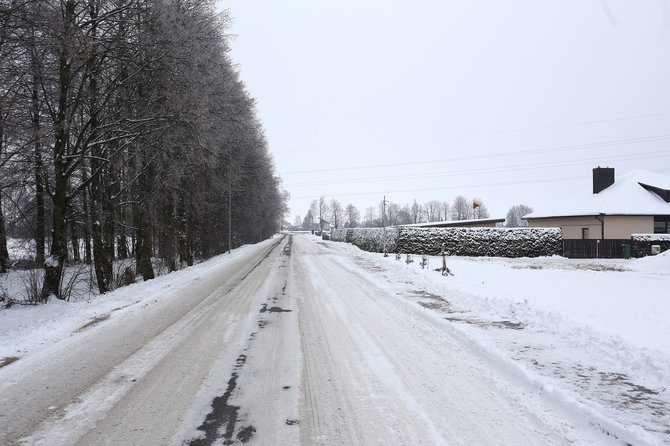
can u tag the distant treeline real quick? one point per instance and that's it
(389, 213)
(124, 129)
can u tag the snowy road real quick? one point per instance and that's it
(293, 343)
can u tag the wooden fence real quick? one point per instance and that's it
(594, 249)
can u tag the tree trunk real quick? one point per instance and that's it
(108, 230)
(40, 219)
(74, 239)
(53, 266)
(87, 226)
(101, 263)
(100, 208)
(4, 254)
(143, 246)
(189, 241)
(142, 222)
(122, 244)
(55, 263)
(101, 259)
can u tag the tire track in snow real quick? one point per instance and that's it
(235, 416)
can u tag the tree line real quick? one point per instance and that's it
(126, 132)
(391, 213)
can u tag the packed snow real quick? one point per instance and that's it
(589, 335)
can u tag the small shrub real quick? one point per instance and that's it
(123, 274)
(32, 286)
(70, 283)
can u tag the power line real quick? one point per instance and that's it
(639, 140)
(463, 186)
(468, 135)
(514, 168)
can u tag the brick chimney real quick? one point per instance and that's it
(603, 177)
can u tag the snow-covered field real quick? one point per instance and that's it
(591, 336)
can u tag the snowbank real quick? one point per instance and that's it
(653, 264)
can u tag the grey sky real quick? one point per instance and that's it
(508, 101)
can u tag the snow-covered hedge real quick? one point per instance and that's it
(641, 243)
(340, 235)
(494, 242)
(368, 239)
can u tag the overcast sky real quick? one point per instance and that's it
(508, 101)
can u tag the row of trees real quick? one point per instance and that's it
(126, 131)
(395, 214)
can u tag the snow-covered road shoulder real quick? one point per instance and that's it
(591, 335)
(25, 330)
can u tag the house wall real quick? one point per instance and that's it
(571, 227)
(616, 226)
(623, 226)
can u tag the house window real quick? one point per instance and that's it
(662, 224)
(585, 233)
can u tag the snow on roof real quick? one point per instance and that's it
(625, 197)
(448, 223)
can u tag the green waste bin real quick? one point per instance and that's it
(625, 251)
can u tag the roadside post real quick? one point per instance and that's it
(445, 271)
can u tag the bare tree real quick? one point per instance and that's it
(336, 212)
(353, 216)
(444, 211)
(433, 210)
(404, 216)
(323, 211)
(308, 223)
(515, 216)
(393, 213)
(479, 209)
(461, 209)
(131, 141)
(370, 217)
(415, 212)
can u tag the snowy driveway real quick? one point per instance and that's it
(292, 343)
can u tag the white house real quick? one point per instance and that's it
(635, 203)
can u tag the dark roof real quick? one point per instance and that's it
(663, 193)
